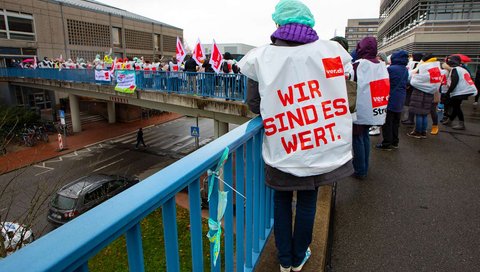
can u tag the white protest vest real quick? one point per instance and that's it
(465, 83)
(373, 89)
(429, 77)
(304, 106)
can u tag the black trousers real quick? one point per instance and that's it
(390, 128)
(140, 141)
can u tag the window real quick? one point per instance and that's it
(117, 37)
(156, 41)
(16, 25)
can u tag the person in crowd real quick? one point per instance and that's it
(173, 75)
(209, 78)
(437, 100)
(372, 80)
(375, 130)
(412, 64)
(229, 69)
(425, 80)
(191, 69)
(298, 61)
(348, 69)
(148, 74)
(477, 85)
(140, 138)
(460, 87)
(398, 75)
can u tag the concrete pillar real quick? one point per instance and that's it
(219, 128)
(111, 112)
(75, 113)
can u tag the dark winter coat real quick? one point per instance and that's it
(420, 102)
(398, 74)
(282, 181)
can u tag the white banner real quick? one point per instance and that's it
(304, 106)
(103, 75)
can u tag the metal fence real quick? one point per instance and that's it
(225, 86)
(71, 246)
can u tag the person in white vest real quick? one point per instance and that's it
(297, 85)
(373, 88)
(381, 56)
(408, 116)
(425, 80)
(460, 87)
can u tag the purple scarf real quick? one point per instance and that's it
(295, 33)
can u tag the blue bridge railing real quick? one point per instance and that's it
(225, 86)
(71, 246)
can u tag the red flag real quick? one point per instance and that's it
(180, 51)
(216, 58)
(198, 53)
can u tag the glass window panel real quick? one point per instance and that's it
(16, 36)
(3, 35)
(2, 22)
(20, 24)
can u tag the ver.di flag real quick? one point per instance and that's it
(216, 58)
(198, 53)
(125, 81)
(180, 51)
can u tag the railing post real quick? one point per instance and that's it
(228, 222)
(134, 249)
(196, 225)
(169, 215)
(239, 206)
(249, 210)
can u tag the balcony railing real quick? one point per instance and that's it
(71, 246)
(225, 86)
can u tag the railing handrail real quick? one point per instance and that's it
(91, 232)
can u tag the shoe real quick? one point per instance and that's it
(447, 122)
(395, 146)
(307, 256)
(423, 135)
(374, 131)
(383, 147)
(414, 134)
(408, 123)
(434, 130)
(359, 177)
(285, 269)
(459, 126)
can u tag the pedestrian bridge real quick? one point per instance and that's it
(216, 96)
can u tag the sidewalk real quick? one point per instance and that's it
(91, 133)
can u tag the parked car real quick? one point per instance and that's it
(85, 193)
(15, 236)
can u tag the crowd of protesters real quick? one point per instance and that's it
(181, 76)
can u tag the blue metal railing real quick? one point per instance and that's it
(226, 86)
(72, 245)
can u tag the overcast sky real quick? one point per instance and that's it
(244, 21)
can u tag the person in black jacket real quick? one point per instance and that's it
(191, 69)
(140, 138)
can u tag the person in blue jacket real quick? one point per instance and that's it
(398, 74)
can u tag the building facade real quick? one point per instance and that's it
(74, 29)
(440, 27)
(79, 29)
(358, 29)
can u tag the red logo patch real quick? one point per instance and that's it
(435, 75)
(333, 67)
(468, 78)
(380, 90)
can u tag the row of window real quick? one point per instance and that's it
(361, 29)
(16, 25)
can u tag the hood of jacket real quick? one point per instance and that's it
(367, 48)
(400, 58)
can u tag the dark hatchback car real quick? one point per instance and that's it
(85, 193)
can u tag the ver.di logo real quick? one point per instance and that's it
(333, 67)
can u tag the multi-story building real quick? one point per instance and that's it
(79, 29)
(358, 29)
(74, 29)
(440, 27)
(238, 50)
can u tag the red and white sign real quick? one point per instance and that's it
(468, 78)
(435, 75)
(198, 53)
(380, 90)
(60, 141)
(216, 58)
(333, 67)
(180, 52)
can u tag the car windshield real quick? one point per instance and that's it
(63, 202)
